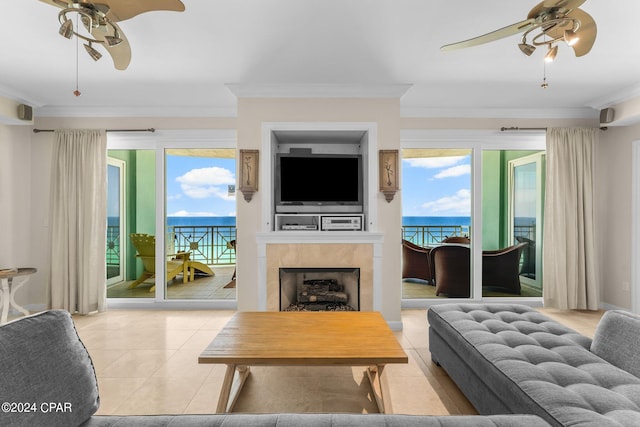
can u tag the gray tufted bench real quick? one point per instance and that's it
(511, 359)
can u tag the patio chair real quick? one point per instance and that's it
(501, 268)
(528, 268)
(457, 239)
(415, 262)
(146, 247)
(452, 270)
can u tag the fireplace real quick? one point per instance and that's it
(319, 289)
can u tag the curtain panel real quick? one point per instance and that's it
(78, 220)
(570, 264)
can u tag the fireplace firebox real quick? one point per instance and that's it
(319, 289)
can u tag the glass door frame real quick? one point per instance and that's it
(538, 160)
(121, 165)
(477, 140)
(160, 141)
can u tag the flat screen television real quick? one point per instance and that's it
(318, 183)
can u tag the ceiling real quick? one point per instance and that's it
(184, 63)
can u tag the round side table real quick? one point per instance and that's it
(10, 282)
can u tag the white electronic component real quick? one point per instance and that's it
(341, 223)
(299, 227)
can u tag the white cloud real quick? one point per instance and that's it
(434, 162)
(459, 203)
(454, 171)
(207, 182)
(203, 192)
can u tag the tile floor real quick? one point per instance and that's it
(146, 363)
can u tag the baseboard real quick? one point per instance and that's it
(607, 306)
(395, 325)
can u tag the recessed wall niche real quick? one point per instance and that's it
(319, 172)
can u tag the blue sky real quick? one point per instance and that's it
(199, 186)
(436, 186)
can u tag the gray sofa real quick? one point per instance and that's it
(511, 359)
(47, 379)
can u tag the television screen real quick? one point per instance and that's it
(320, 179)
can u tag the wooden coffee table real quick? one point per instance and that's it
(303, 339)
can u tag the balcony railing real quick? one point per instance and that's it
(113, 245)
(430, 235)
(215, 244)
(209, 244)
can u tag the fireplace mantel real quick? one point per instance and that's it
(285, 249)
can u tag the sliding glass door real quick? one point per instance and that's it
(503, 200)
(436, 223)
(131, 213)
(200, 224)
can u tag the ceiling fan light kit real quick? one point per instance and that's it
(551, 54)
(526, 48)
(556, 20)
(99, 21)
(94, 54)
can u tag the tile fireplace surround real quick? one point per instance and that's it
(314, 250)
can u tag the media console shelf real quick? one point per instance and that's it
(319, 222)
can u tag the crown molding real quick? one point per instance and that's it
(356, 90)
(147, 111)
(499, 113)
(615, 98)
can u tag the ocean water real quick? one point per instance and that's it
(200, 220)
(189, 220)
(436, 220)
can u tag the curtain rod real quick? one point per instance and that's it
(504, 129)
(108, 130)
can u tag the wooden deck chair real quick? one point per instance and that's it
(196, 267)
(146, 247)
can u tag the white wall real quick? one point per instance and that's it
(17, 179)
(614, 201)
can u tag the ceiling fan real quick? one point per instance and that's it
(557, 20)
(99, 21)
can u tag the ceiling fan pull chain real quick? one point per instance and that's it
(77, 92)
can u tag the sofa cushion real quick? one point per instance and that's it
(314, 420)
(617, 340)
(46, 374)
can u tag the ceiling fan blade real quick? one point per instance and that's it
(57, 3)
(564, 4)
(121, 10)
(510, 30)
(121, 53)
(587, 32)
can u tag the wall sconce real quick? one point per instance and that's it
(388, 173)
(249, 173)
